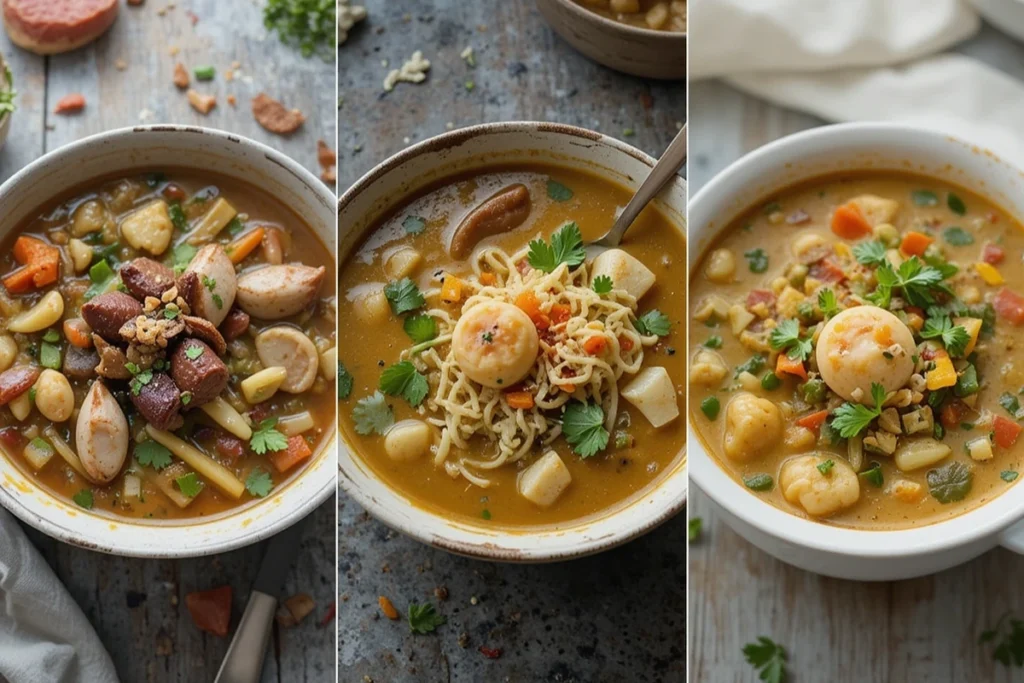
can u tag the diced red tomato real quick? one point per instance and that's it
(11, 437)
(993, 254)
(230, 447)
(1009, 305)
(827, 270)
(211, 610)
(953, 414)
(1006, 431)
(760, 296)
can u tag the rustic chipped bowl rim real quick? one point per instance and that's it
(34, 505)
(516, 544)
(792, 159)
(590, 16)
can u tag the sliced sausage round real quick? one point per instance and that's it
(106, 313)
(159, 401)
(213, 293)
(275, 292)
(145, 277)
(235, 325)
(101, 435)
(203, 329)
(196, 369)
(287, 347)
(47, 27)
(16, 381)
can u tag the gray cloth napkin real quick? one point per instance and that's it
(44, 637)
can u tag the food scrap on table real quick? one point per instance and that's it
(70, 104)
(294, 609)
(200, 102)
(275, 117)
(30, 23)
(328, 161)
(414, 70)
(348, 16)
(181, 77)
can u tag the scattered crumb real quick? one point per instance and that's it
(136, 3)
(120, 65)
(232, 100)
(441, 593)
(406, 140)
(469, 57)
(387, 608)
(273, 116)
(181, 78)
(450, 125)
(348, 16)
(192, 17)
(146, 115)
(294, 609)
(236, 65)
(474, 600)
(164, 644)
(229, 75)
(174, 50)
(70, 104)
(413, 71)
(463, 640)
(201, 103)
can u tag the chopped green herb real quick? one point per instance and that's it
(83, 499)
(757, 260)
(1008, 476)
(345, 381)
(566, 247)
(950, 483)
(713, 342)
(420, 328)
(189, 484)
(602, 284)
(486, 514)
(259, 484)
(924, 198)
(372, 414)
(235, 226)
(559, 192)
(873, 475)
(310, 25)
(827, 303)
(183, 255)
(266, 437)
(753, 365)
(955, 204)
(403, 379)
(768, 659)
(424, 618)
(7, 93)
(143, 378)
(695, 527)
(153, 454)
(853, 418)
(826, 467)
(759, 482)
(414, 225)
(193, 352)
(186, 398)
(171, 313)
(1011, 404)
(1009, 651)
(710, 407)
(954, 337)
(403, 296)
(869, 253)
(50, 356)
(583, 427)
(653, 322)
(958, 237)
(786, 337)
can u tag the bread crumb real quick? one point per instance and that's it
(181, 78)
(414, 70)
(201, 103)
(348, 16)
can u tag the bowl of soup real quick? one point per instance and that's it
(644, 38)
(854, 381)
(505, 391)
(167, 342)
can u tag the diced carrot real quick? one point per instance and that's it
(942, 375)
(1009, 305)
(387, 608)
(560, 313)
(46, 272)
(70, 104)
(451, 290)
(297, 451)
(953, 414)
(849, 223)
(1006, 431)
(211, 610)
(626, 344)
(790, 366)
(813, 421)
(43, 259)
(992, 254)
(519, 400)
(77, 332)
(595, 345)
(244, 245)
(567, 388)
(20, 281)
(529, 304)
(488, 279)
(915, 243)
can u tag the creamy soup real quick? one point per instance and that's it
(493, 370)
(853, 350)
(166, 345)
(660, 15)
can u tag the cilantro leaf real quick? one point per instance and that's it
(424, 618)
(757, 260)
(853, 418)
(653, 322)
(420, 328)
(1009, 650)
(372, 414)
(1011, 404)
(602, 284)
(193, 352)
(924, 198)
(827, 303)
(345, 381)
(958, 237)
(869, 253)
(414, 225)
(768, 658)
(403, 379)
(404, 296)
(559, 192)
(190, 485)
(267, 438)
(566, 247)
(583, 426)
(180, 222)
(786, 337)
(955, 204)
(826, 467)
(140, 380)
(83, 499)
(694, 529)
(153, 454)
(259, 483)
(955, 338)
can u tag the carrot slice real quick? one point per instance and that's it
(488, 279)
(297, 451)
(20, 281)
(626, 344)
(519, 400)
(595, 345)
(813, 421)
(915, 243)
(41, 258)
(529, 304)
(790, 366)
(1006, 431)
(849, 223)
(244, 245)
(211, 610)
(560, 313)
(76, 330)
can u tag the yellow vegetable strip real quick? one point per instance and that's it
(213, 471)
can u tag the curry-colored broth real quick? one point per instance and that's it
(765, 227)
(660, 15)
(124, 194)
(599, 482)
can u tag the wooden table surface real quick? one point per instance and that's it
(137, 606)
(923, 630)
(619, 616)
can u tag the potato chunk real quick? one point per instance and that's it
(625, 271)
(819, 494)
(752, 426)
(544, 481)
(150, 228)
(708, 369)
(876, 209)
(408, 440)
(652, 392)
(403, 262)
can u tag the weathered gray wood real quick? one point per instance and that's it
(616, 617)
(923, 630)
(227, 31)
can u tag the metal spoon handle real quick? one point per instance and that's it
(243, 662)
(668, 165)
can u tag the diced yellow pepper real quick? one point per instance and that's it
(942, 375)
(843, 250)
(973, 327)
(989, 273)
(451, 290)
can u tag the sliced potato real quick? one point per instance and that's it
(45, 313)
(215, 220)
(913, 454)
(652, 392)
(150, 228)
(545, 480)
(408, 440)
(264, 384)
(626, 272)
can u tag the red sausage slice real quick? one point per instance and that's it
(47, 27)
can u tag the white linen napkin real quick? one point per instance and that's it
(862, 60)
(43, 634)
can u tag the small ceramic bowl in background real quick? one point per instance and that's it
(637, 51)
(421, 165)
(209, 151)
(5, 118)
(826, 548)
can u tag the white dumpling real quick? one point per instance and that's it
(495, 344)
(865, 345)
(753, 426)
(819, 494)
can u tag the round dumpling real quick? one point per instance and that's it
(495, 344)
(753, 426)
(862, 346)
(819, 493)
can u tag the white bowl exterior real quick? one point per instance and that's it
(149, 148)
(421, 165)
(818, 547)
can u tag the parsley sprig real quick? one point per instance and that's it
(424, 618)
(403, 296)
(786, 337)
(373, 414)
(954, 337)
(653, 322)
(403, 379)
(916, 280)
(853, 418)
(566, 247)
(768, 658)
(583, 426)
(1009, 650)
(602, 284)
(871, 253)
(827, 303)
(266, 437)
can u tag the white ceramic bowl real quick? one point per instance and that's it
(826, 549)
(416, 167)
(154, 147)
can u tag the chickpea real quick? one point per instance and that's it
(8, 351)
(752, 426)
(54, 397)
(721, 266)
(820, 495)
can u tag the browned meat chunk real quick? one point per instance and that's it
(158, 401)
(106, 313)
(502, 212)
(196, 369)
(145, 277)
(203, 329)
(235, 325)
(16, 381)
(112, 360)
(80, 363)
(188, 287)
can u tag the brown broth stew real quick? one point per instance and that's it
(107, 251)
(660, 15)
(636, 453)
(947, 439)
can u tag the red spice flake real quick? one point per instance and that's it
(70, 104)
(490, 652)
(273, 115)
(328, 618)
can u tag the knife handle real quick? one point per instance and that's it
(243, 662)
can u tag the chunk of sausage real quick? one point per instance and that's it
(214, 292)
(101, 435)
(235, 325)
(188, 287)
(276, 292)
(80, 363)
(159, 402)
(501, 212)
(145, 277)
(203, 329)
(16, 381)
(113, 360)
(287, 347)
(106, 313)
(196, 369)
(752, 426)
